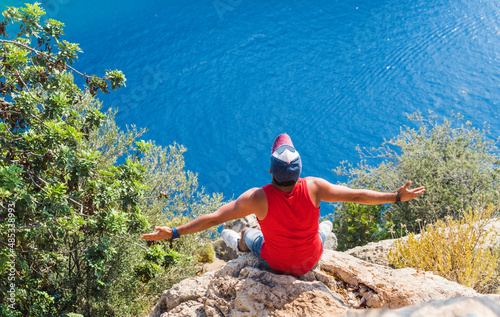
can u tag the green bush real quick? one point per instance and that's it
(454, 161)
(79, 213)
(356, 225)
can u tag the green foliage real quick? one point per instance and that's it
(454, 161)
(171, 258)
(78, 213)
(455, 248)
(356, 225)
(10, 179)
(145, 272)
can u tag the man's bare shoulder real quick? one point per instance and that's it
(255, 201)
(322, 190)
(314, 185)
(253, 195)
(315, 181)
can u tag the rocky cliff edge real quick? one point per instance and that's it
(341, 285)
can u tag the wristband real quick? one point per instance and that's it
(398, 198)
(176, 234)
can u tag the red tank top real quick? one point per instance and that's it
(291, 241)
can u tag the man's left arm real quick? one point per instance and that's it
(241, 207)
(338, 193)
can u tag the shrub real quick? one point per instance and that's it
(207, 254)
(456, 248)
(453, 160)
(356, 225)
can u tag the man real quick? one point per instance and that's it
(291, 240)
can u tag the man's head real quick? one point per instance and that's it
(286, 164)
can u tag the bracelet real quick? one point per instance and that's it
(398, 198)
(176, 234)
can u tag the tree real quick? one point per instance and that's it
(456, 162)
(75, 213)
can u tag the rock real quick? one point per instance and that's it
(484, 306)
(341, 281)
(374, 252)
(215, 265)
(239, 224)
(240, 288)
(331, 242)
(381, 286)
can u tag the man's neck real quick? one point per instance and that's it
(286, 189)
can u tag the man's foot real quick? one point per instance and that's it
(231, 238)
(326, 227)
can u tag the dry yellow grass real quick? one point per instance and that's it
(458, 249)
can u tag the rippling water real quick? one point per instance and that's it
(225, 77)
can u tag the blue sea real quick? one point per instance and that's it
(224, 77)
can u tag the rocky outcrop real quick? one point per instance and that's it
(374, 252)
(484, 306)
(331, 242)
(223, 251)
(339, 283)
(379, 286)
(242, 289)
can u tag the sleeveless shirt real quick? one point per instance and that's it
(291, 241)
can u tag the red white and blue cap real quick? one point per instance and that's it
(286, 164)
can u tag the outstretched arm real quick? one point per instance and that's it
(337, 193)
(245, 205)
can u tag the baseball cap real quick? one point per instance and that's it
(286, 164)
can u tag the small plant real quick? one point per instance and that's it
(145, 272)
(207, 254)
(456, 248)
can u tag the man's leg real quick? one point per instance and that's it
(250, 240)
(235, 242)
(241, 244)
(232, 239)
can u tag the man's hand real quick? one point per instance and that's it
(163, 233)
(406, 194)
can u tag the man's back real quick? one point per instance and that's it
(257, 199)
(291, 241)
